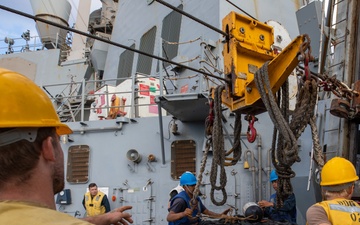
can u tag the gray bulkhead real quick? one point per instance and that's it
(146, 185)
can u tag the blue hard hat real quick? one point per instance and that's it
(273, 176)
(187, 178)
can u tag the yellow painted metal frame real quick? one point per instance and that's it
(249, 46)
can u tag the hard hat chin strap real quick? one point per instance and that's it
(17, 134)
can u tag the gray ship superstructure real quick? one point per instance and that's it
(162, 59)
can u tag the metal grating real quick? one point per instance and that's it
(183, 157)
(147, 43)
(125, 65)
(171, 33)
(78, 164)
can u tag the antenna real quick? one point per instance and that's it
(10, 43)
(26, 36)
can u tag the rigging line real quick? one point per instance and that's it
(193, 18)
(180, 43)
(241, 10)
(107, 41)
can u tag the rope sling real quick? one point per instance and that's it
(285, 154)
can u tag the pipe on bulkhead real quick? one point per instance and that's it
(159, 107)
(268, 170)
(82, 100)
(161, 133)
(252, 169)
(259, 147)
(260, 165)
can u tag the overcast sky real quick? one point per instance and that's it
(13, 25)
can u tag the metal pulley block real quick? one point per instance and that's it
(340, 108)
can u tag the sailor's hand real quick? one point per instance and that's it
(122, 208)
(118, 216)
(264, 204)
(188, 212)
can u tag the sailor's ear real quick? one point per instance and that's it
(351, 189)
(48, 150)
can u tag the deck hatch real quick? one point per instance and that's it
(78, 164)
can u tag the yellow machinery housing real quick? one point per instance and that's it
(249, 45)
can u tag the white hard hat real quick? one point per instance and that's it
(178, 189)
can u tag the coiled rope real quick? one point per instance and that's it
(221, 158)
(286, 153)
(218, 151)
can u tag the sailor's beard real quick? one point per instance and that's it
(58, 179)
(58, 170)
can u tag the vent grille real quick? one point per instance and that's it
(78, 164)
(183, 157)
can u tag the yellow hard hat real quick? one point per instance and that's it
(24, 104)
(338, 171)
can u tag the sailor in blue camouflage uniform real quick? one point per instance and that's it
(287, 213)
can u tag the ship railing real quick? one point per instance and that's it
(66, 105)
(10, 45)
(75, 103)
(17, 45)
